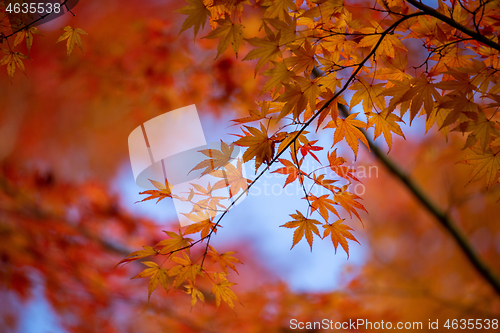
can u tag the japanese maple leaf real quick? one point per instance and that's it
(259, 145)
(197, 15)
(228, 32)
(339, 233)
(348, 129)
(232, 176)
(291, 170)
(72, 37)
(267, 48)
(195, 293)
(27, 34)
(185, 269)
(304, 58)
(164, 191)
(369, 94)
(225, 259)
(294, 99)
(308, 148)
(348, 201)
(148, 251)
(337, 166)
(485, 165)
(218, 158)
(389, 44)
(222, 290)
(304, 226)
(385, 123)
(203, 222)
(278, 75)
(156, 274)
(323, 204)
(480, 127)
(422, 92)
(280, 9)
(12, 59)
(266, 107)
(174, 243)
(458, 103)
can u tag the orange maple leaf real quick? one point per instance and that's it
(164, 191)
(348, 129)
(304, 226)
(259, 145)
(339, 233)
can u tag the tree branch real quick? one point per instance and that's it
(448, 20)
(442, 218)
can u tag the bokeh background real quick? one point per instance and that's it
(68, 211)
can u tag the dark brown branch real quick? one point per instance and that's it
(450, 21)
(442, 217)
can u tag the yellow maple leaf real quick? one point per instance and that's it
(72, 37)
(385, 123)
(304, 226)
(485, 165)
(225, 259)
(228, 32)
(174, 243)
(27, 34)
(164, 191)
(197, 15)
(195, 293)
(156, 275)
(222, 290)
(268, 48)
(12, 59)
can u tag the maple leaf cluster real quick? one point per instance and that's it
(340, 68)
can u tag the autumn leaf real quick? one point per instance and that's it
(27, 34)
(164, 191)
(260, 146)
(222, 290)
(337, 166)
(176, 242)
(72, 37)
(148, 251)
(155, 274)
(197, 15)
(304, 226)
(385, 123)
(339, 233)
(278, 76)
(348, 129)
(348, 201)
(323, 204)
(195, 293)
(185, 269)
(481, 129)
(268, 48)
(368, 94)
(217, 158)
(232, 176)
(291, 170)
(485, 165)
(225, 259)
(12, 59)
(205, 226)
(228, 32)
